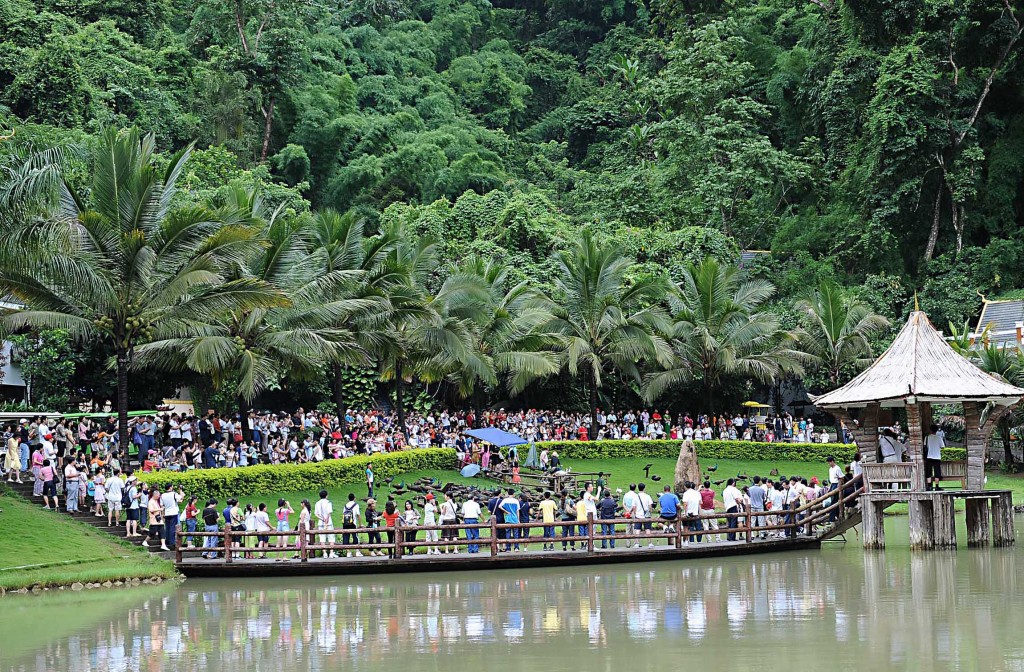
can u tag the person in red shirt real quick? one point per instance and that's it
(390, 516)
(707, 508)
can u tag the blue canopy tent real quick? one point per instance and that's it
(496, 437)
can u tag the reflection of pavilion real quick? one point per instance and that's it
(920, 369)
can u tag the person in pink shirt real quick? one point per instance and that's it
(49, 485)
(37, 465)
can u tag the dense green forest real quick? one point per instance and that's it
(878, 144)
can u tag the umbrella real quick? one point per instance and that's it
(470, 470)
(755, 404)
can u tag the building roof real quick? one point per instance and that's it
(920, 364)
(1001, 319)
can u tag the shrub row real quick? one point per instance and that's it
(268, 478)
(716, 450)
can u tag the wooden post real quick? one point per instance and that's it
(590, 533)
(227, 544)
(944, 523)
(1002, 520)
(494, 536)
(750, 523)
(874, 524)
(915, 444)
(302, 542)
(177, 549)
(977, 522)
(398, 538)
(921, 520)
(679, 530)
(976, 437)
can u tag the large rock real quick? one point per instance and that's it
(687, 467)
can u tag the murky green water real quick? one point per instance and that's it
(837, 608)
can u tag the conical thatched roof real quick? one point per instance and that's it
(921, 364)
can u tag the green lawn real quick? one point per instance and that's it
(40, 546)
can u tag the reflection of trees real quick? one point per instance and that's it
(923, 610)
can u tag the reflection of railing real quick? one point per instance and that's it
(889, 476)
(830, 507)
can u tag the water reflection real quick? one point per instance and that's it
(921, 611)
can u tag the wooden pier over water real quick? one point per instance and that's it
(827, 517)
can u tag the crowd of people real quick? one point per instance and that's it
(182, 441)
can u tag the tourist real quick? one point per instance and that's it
(547, 508)
(12, 460)
(305, 521)
(449, 518)
(170, 500)
(668, 505)
(777, 501)
(709, 522)
(133, 516)
(100, 491)
(236, 517)
(283, 513)
(933, 445)
(510, 509)
(324, 511)
(369, 480)
(429, 521)
(249, 541)
(567, 505)
(47, 475)
(410, 519)
(606, 511)
(210, 516)
(262, 528)
(191, 521)
(758, 495)
(645, 507)
(114, 488)
(731, 498)
(629, 503)
(71, 484)
(691, 504)
(373, 522)
(495, 511)
(792, 504)
(37, 465)
(525, 516)
(155, 512)
(856, 467)
(349, 518)
(583, 520)
(890, 447)
(391, 516)
(471, 516)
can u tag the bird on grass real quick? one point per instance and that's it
(713, 469)
(773, 472)
(647, 470)
(655, 478)
(742, 477)
(719, 482)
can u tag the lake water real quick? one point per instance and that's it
(835, 608)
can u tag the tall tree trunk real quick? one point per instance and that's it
(1004, 434)
(122, 400)
(593, 407)
(243, 415)
(399, 401)
(268, 118)
(339, 398)
(933, 235)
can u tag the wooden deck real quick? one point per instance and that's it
(198, 567)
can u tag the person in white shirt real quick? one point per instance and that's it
(933, 445)
(855, 467)
(115, 491)
(629, 504)
(324, 511)
(731, 498)
(471, 516)
(169, 500)
(430, 520)
(644, 505)
(262, 520)
(691, 511)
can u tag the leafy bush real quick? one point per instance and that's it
(717, 450)
(267, 478)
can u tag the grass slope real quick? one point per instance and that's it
(41, 547)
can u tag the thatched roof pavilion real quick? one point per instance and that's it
(920, 368)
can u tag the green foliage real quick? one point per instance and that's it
(717, 450)
(266, 478)
(47, 361)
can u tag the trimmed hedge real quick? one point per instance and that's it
(716, 450)
(272, 478)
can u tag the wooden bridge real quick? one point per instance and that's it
(304, 551)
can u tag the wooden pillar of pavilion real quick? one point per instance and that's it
(865, 430)
(917, 414)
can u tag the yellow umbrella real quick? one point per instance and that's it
(755, 404)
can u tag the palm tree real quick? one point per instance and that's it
(250, 350)
(343, 249)
(837, 331)
(604, 322)
(123, 260)
(507, 330)
(424, 334)
(718, 330)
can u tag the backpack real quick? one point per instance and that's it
(126, 500)
(347, 516)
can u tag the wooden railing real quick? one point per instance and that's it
(890, 476)
(304, 544)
